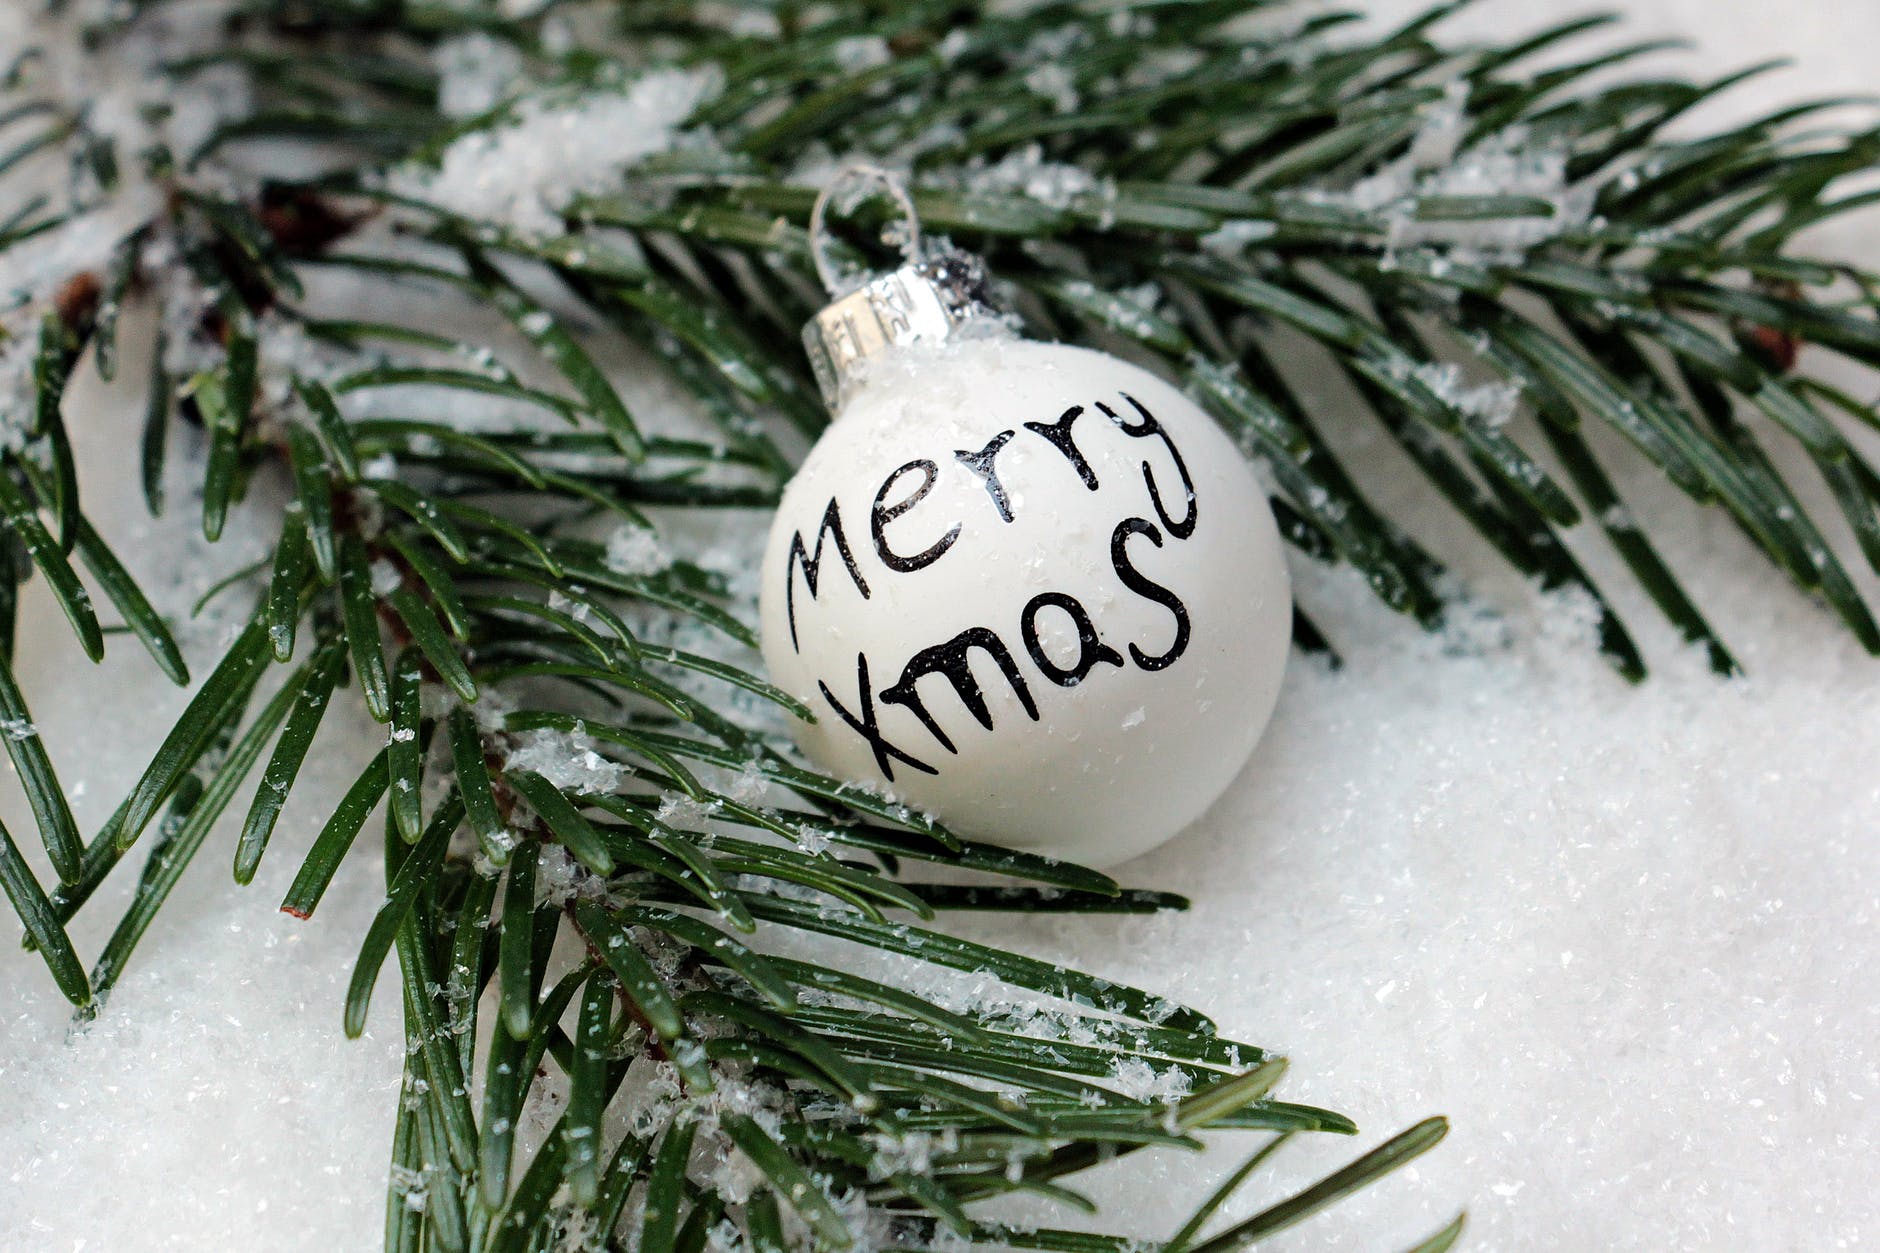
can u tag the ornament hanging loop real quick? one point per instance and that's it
(926, 300)
(866, 175)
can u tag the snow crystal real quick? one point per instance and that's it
(757, 23)
(567, 761)
(653, 1094)
(683, 812)
(1232, 238)
(475, 72)
(634, 550)
(954, 45)
(579, 610)
(861, 52)
(559, 878)
(1139, 1081)
(813, 840)
(412, 1186)
(911, 1153)
(550, 148)
(385, 578)
(1055, 184)
(1054, 81)
(18, 347)
(1510, 163)
(748, 786)
(1056, 43)
(1494, 403)
(285, 351)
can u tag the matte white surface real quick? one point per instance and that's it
(1098, 748)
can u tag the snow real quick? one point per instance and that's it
(1625, 938)
(1493, 403)
(552, 147)
(1620, 937)
(82, 242)
(634, 550)
(1510, 162)
(861, 52)
(1051, 183)
(1054, 82)
(19, 345)
(114, 91)
(475, 72)
(191, 1060)
(566, 761)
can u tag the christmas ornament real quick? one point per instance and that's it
(1027, 587)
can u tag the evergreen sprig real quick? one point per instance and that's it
(674, 930)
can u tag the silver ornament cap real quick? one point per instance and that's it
(924, 301)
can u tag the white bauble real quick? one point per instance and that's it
(1033, 590)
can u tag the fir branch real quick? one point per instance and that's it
(1498, 259)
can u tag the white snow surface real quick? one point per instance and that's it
(553, 147)
(1628, 940)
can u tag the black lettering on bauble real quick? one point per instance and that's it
(1091, 650)
(881, 514)
(1148, 589)
(1060, 437)
(953, 660)
(868, 726)
(1142, 430)
(980, 463)
(811, 563)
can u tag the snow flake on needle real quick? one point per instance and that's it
(548, 149)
